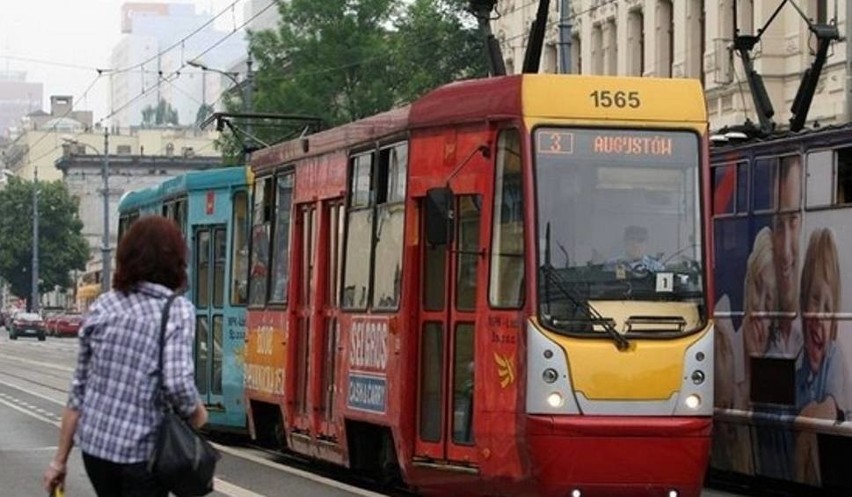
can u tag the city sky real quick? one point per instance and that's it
(62, 43)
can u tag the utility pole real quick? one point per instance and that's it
(35, 294)
(248, 96)
(565, 36)
(106, 260)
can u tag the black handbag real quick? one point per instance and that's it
(182, 459)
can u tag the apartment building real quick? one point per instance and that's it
(692, 39)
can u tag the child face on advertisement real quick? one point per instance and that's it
(762, 304)
(818, 303)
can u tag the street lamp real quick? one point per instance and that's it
(106, 260)
(247, 87)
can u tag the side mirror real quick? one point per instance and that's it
(439, 216)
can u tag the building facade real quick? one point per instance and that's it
(691, 39)
(82, 174)
(152, 57)
(18, 97)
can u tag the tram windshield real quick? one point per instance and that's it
(618, 220)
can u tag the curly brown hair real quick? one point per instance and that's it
(153, 250)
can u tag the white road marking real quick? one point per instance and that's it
(232, 490)
(38, 363)
(29, 413)
(220, 485)
(30, 392)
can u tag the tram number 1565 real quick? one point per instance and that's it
(619, 99)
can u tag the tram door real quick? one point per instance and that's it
(211, 248)
(306, 237)
(446, 340)
(319, 235)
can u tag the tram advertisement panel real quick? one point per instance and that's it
(784, 322)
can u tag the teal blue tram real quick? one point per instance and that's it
(211, 207)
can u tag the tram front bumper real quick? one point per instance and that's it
(585, 456)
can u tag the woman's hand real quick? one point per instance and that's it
(54, 476)
(198, 418)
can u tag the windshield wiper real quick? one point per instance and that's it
(592, 314)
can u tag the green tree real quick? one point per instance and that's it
(437, 41)
(62, 247)
(342, 60)
(204, 111)
(160, 115)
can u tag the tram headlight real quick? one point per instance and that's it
(693, 401)
(576, 493)
(698, 377)
(550, 375)
(555, 399)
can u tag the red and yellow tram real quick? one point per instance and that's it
(500, 289)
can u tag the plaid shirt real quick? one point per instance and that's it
(115, 383)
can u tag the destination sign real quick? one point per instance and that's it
(617, 146)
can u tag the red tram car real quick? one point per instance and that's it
(450, 293)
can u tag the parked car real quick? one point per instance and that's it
(50, 323)
(67, 324)
(27, 323)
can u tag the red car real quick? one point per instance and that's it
(50, 324)
(67, 324)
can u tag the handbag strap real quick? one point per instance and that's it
(164, 321)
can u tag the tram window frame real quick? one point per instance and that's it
(496, 270)
(377, 189)
(239, 243)
(771, 163)
(175, 210)
(842, 177)
(391, 180)
(281, 247)
(359, 208)
(820, 179)
(262, 204)
(125, 222)
(740, 203)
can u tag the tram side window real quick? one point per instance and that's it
(844, 176)
(281, 246)
(763, 182)
(176, 211)
(260, 227)
(239, 247)
(818, 189)
(724, 182)
(507, 245)
(390, 218)
(125, 222)
(359, 233)
(730, 188)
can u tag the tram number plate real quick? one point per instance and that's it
(665, 282)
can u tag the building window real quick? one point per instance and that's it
(597, 50)
(576, 55)
(610, 52)
(695, 39)
(665, 38)
(636, 43)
